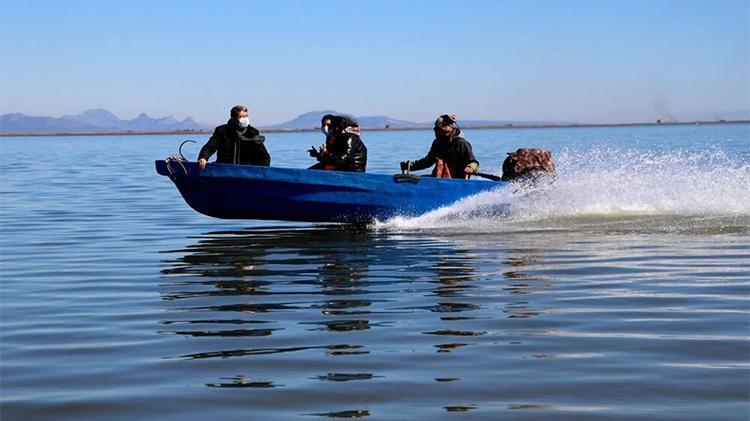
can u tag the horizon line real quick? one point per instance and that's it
(381, 129)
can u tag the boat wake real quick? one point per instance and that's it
(609, 190)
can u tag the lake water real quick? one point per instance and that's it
(622, 292)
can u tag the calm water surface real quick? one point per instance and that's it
(622, 292)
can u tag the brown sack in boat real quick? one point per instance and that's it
(526, 163)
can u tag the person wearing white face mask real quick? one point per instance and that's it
(236, 142)
(343, 149)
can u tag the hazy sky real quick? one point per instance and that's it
(585, 61)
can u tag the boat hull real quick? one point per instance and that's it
(251, 192)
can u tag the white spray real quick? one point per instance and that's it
(606, 186)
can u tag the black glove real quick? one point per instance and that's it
(405, 165)
(314, 152)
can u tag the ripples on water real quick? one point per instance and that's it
(402, 325)
(598, 301)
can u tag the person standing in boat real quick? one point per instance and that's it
(450, 152)
(343, 149)
(236, 142)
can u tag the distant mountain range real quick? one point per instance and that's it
(93, 121)
(102, 121)
(311, 120)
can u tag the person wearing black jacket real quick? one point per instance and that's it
(343, 150)
(236, 142)
(450, 152)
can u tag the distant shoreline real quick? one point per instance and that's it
(395, 129)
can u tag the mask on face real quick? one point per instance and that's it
(440, 133)
(326, 130)
(243, 122)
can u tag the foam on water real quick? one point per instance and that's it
(610, 188)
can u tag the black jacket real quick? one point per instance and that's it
(235, 147)
(455, 152)
(347, 153)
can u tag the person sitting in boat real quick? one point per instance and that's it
(236, 142)
(343, 149)
(450, 152)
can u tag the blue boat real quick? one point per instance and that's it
(251, 192)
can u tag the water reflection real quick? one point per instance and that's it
(341, 273)
(455, 276)
(242, 381)
(250, 351)
(345, 377)
(335, 317)
(282, 271)
(313, 304)
(459, 408)
(357, 413)
(253, 265)
(257, 292)
(236, 332)
(520, 283)
(456, 273)
(275, 272)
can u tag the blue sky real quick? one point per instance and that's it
(585, 61)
